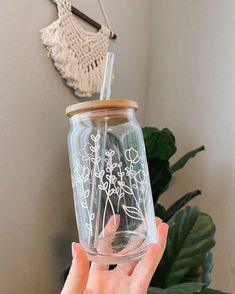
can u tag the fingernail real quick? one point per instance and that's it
(158, 220)
(74, 250)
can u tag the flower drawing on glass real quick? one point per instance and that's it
(132, 155)
(118, 179)
(81, 173)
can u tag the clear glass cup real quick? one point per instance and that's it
(110, 179)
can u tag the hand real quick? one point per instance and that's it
(127, 278)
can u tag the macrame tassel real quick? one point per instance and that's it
(78, 55)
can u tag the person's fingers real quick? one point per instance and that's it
(95, 266)
(105, 244)
(79, 271)
(146, 267)
(158, 221)
(127, 268)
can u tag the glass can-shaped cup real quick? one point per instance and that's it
(110, 179)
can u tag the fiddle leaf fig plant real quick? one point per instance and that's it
(191, 236)
(188, 261)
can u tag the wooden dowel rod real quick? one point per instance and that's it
(90, 21)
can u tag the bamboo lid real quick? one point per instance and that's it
(100, 105)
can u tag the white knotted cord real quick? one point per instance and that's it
(78, 54)
(105, 14)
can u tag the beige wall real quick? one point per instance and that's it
(36, 210)
(192, 91)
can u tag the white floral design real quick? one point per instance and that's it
(81, 173)
(114, 180)
(132, 155)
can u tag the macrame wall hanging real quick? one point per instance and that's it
(78, 54)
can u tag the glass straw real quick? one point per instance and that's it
(107, 80)
(105, 94)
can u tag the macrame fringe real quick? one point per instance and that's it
(84, 81)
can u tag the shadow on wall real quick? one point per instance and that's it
(59, 223)
(62, 258)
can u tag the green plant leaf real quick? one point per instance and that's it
(183, 160)
(180, 203)
(160, 176)
(159, 144)
(202, 273)
(190, 237)
(160, 211)
(186, 288)
(207, 267)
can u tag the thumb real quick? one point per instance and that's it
(79, 271)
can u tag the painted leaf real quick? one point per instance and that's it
(111, 191)
(133, 212)
(92, 148)
(120, 174)
(92, 216)
(114, 179)
(86, 194)
(126, 189)
(140, 176)
(98, 159)
(99, 174)
(103, 186)
(93, 138)
(84, 204)
(89, 227)
(93, 160)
